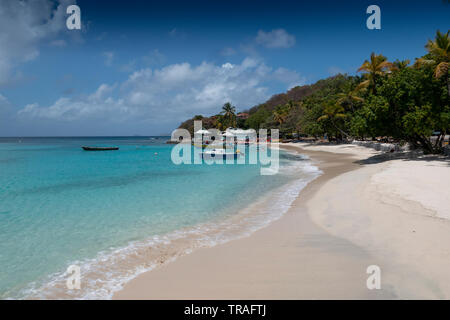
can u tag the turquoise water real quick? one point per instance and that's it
(61, 205)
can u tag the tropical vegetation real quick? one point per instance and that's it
(390, 100)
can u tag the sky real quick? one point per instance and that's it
(143, 67)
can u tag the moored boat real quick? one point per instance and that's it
(99, 148)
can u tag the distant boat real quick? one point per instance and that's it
(100, 148)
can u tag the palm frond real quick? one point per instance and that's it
(421, 62)
(364, 67)
(441, 69)
(362, 85)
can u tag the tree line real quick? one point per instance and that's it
(396, 100)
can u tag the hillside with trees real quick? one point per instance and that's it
(397, 101)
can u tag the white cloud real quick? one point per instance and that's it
(109, 57)
(23, 24)
(227, 52)
(58, 43)
(291, 78)
(173, 93)
(175, 33)
(6, 113)
(93, 106)
(128, 67)
(5, 105)
(227, 66)
(277, 38)
(154, 58)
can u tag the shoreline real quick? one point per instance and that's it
(124, 263)
(244, 268)
(367, 208)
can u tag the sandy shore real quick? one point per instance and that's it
(358, 213)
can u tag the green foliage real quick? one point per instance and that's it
(419, 121)
(256, 119)
(228, 116)
(416, 104)
(395, 100)
(359, 126)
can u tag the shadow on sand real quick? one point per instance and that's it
(415, 155)
(405, 156)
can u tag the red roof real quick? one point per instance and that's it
(242, 115)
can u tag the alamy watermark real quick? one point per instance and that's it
(374, 20)
(74, 279)
(374, 280)
(73, 22)
(213, 147)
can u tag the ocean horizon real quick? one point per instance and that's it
(117, 214)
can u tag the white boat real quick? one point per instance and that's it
(220, 154)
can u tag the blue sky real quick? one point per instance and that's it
(141, 67)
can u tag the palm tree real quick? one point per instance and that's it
(351, 96)
(281, 112)
(375, 68)
(220, 122)
(290, 104)
(333, 113)
(439, 55)
(401, 64)
(279, 117)
(229, 113)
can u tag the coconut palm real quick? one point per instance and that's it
(281, 112)
(334, 113)
(376, 67)
(220, 123)
(401, 64)
(352, 96)
(438, 55)
(290, 105)
(229, 114)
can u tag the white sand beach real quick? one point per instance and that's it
(367, 208)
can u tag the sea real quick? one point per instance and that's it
(116, 214)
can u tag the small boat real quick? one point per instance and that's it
(100, 148)
(220, 154)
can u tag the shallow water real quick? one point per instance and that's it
(119, 213)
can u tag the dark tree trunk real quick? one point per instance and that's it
(448, 83)
(426, 144)
(340, 130)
